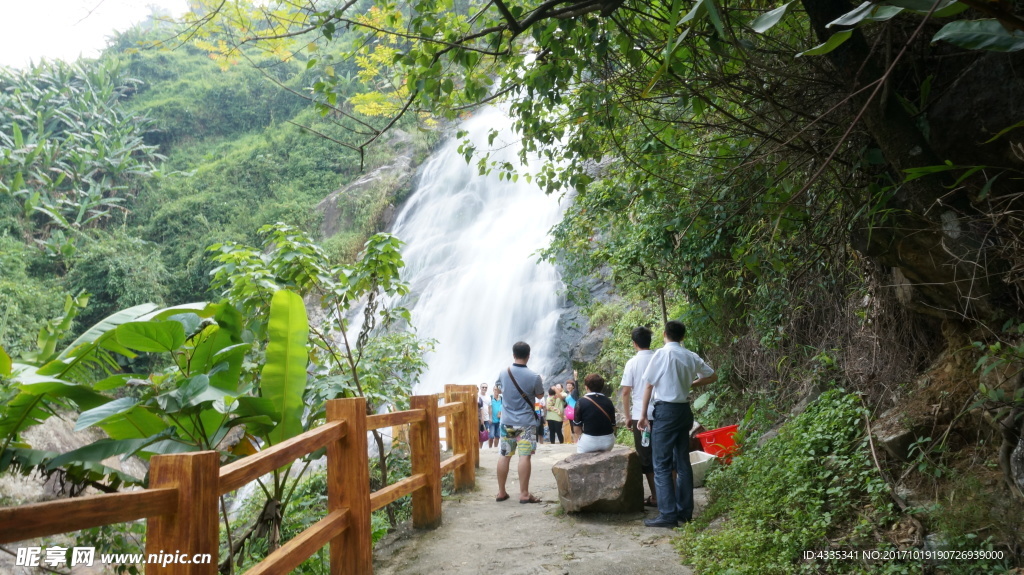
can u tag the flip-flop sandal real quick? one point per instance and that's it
(648, 502)
(532, 499)
(500, 499)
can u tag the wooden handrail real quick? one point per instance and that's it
(396, 491)
(303, 545)
(42, 519)
(237, 474)
(394, 418)
(181, 504)
(448, 465)
(449, 409)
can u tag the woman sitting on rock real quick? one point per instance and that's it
(596, 414)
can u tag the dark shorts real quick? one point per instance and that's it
(495, 429)
(646, 458)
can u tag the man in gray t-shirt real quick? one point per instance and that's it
(519, 385)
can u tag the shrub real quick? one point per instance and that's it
(25, 302)
(812, 487)
(119, 272)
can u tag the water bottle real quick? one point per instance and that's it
(645, 438)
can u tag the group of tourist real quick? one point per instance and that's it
(554, 414)
(656, 387)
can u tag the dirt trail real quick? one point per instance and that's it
(479, 535)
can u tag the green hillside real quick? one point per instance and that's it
(225, 150)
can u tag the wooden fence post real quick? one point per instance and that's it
(348, 486)
(192, 529)
(468, 439)
(474, 432)
(461, 441)
(426, 459)
(449, 422)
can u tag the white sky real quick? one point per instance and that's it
(65, 29)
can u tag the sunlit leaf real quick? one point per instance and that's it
(151, 336)
(766, 21)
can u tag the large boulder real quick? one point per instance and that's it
(606, 482)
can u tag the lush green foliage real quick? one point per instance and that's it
(244, 148)
(812, 483)
(69, 152)
(219, 368)
(118, 271)
(27, 301)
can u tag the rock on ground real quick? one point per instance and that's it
(480, 535)
(608, 482)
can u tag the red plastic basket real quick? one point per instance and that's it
(719, 442)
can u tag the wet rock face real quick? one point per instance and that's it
(607, 482)
(388, 181)
(572, 324)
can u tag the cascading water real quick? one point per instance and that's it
(477, 283)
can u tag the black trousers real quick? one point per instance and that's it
(555, 430)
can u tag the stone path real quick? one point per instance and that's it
(479, 535)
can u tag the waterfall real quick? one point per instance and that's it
(477, 283)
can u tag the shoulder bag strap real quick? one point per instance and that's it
(602, 410)
(523, 395)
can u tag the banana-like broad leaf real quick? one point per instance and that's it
(189, 321)
(104, 448)
(170, 446)
(28, 460)
(115, 381)
(24, 411)
(249, 405)
(32, 405)
(93, 350)
(84, 397)
(231, 358)
(151, 336)
(202, 309)
(213, 347)
(230, 320)
(283, 378)
(104, 412)
(259, 425)
(135, 423)
(108, 323)
(5, 363)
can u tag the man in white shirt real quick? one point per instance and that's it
(631, 404)
(483, 411)
(671, 374)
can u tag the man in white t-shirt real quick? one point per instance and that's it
(632, 400)
(483, 410)
(672, 373)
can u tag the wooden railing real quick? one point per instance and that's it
(181, 503)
